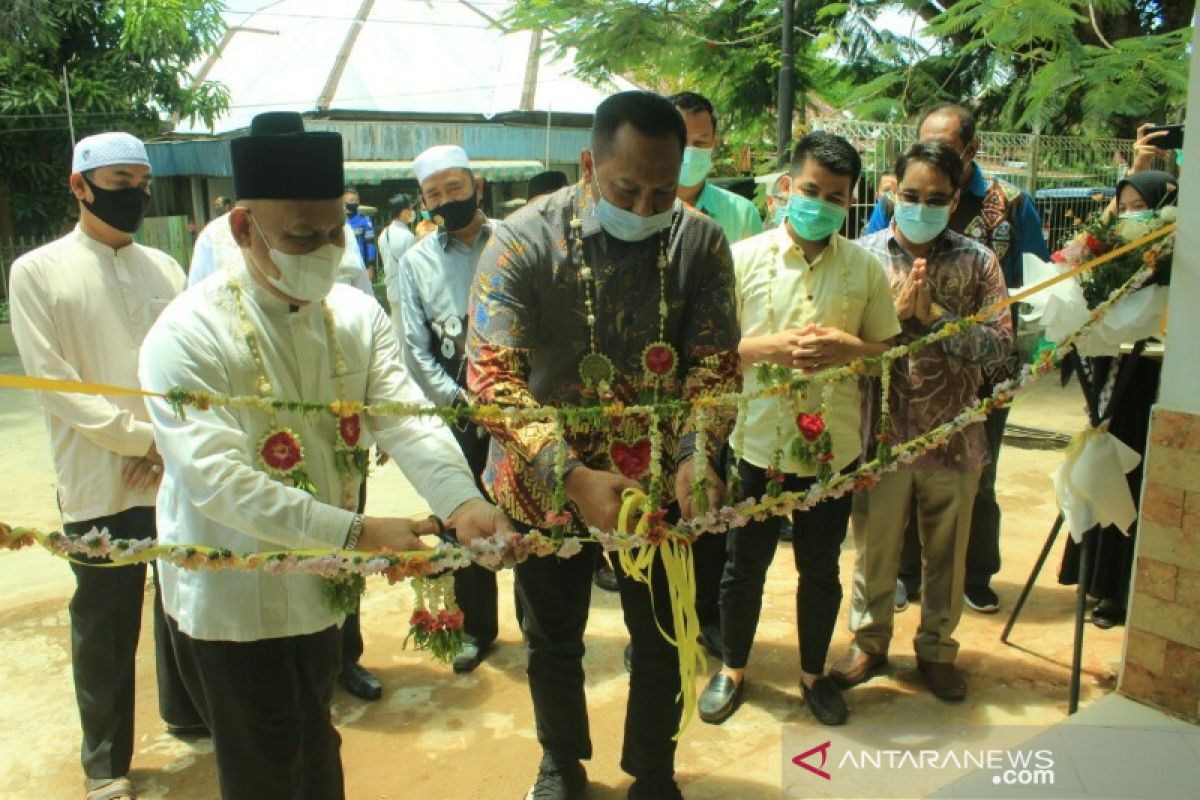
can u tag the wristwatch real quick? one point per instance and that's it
(356, 529)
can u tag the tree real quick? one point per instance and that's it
(1054, 66)
(1091, 67)
(727, 51)
(127, 63)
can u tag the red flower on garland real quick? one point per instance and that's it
(350, 429)
(451, 620)
(811, 426)
(659, 359)
(421, 618)
(281, 451)
(632, 460)
(775, 476)
(1094, 244)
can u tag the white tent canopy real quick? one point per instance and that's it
(439, 57)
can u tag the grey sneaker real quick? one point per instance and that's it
(901, 597)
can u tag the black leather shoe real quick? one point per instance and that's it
(655, 787)
(720, 698)
(358, 681)
(604, 577)
(472, 656)
(824, 700)
(710, 637)
(195, 731)
(629, 657)
(558, 780)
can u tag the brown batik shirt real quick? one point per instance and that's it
(528, 332)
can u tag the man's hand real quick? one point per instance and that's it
(394, 534)
(715, 488)
(152, 455)
(141, 474)
(773, 347)
(906, 299)
(476, 519)
(598, 495)
(381, 457)
(820, 348)
(923, 312)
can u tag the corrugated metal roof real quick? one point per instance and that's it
(440, 57)
(506, 150)
(371, 172)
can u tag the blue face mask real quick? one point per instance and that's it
(812, 219)
(921, 223)
(697, 163)
(626, 225)
(780, 214)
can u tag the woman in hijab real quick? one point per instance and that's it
(1139, 196)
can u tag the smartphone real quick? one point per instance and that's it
(1172, 141)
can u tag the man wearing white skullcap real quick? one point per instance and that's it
(435, 286)
(81, 307)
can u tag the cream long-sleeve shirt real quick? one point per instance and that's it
(214, 492)
(80, 311)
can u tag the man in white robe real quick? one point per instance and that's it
(260, 651)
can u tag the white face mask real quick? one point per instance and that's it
(628, 226)
(308, 277)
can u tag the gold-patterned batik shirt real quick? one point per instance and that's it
(528, 332)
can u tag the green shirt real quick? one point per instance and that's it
(736, 215)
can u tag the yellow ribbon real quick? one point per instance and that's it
(680, 571)
(73, 387)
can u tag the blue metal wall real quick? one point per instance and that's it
(386, 141)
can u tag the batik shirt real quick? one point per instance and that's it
(528, 333)
(934, 386)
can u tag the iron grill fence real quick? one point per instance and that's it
(1069, 177)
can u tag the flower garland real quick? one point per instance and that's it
(439, 631)
(659, 358)
(281, 454)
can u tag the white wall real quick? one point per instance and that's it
(1180, 387)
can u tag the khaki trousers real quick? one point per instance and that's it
(944, 499)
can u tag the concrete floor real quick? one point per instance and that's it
(437, 735)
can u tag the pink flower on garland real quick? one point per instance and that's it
(281, 452)
(811, 426)
(350, 429)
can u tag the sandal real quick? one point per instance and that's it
(109, 789)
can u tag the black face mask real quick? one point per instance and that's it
(121, 208)
(454, 215)
(351, 209)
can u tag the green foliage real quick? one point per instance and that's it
(1026, 64)
(127, 61)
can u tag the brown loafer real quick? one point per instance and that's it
(856, 666)
(945, 680)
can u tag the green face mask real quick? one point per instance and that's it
(1140, 216)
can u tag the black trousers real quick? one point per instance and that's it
(106, 621)
(475, 586)
(816, 544)
(983, 546)
(555, 594)
(267, 705)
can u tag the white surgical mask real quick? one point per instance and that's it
(308, 277)
(626, 225)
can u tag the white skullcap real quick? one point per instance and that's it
(438, 159)
(106, 149)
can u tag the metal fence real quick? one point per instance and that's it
(169, 234)
(1068, 177)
